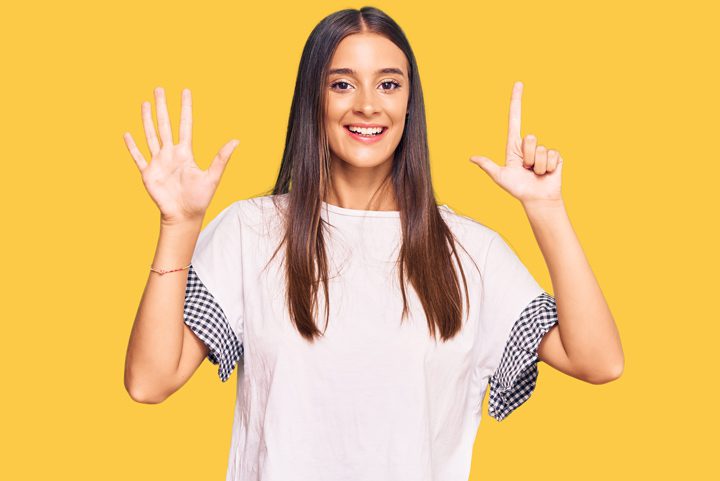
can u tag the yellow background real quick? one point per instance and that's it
(626, 91)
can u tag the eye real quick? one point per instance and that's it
(395, 84)
(335, 85)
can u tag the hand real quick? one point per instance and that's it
(531, 172)
(181, 190)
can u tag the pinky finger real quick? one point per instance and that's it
(135, 152)
(552, 160)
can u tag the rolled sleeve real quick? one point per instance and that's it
(515, 379)
(516, 312)
(214, 300)
(204, 316)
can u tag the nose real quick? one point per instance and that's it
(366, 102)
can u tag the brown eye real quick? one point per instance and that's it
(335, 85)
(391, 82)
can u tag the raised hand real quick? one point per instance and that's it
(181, 190)
(531, 172)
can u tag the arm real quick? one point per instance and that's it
(585, 343)
(162, 352)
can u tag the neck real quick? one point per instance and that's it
(361, 188)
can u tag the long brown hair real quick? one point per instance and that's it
(428, 245)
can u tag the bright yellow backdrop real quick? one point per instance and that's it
(626, 91)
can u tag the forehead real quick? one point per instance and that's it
(367, 52)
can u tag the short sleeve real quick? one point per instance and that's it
(214, 297)
(516, 313)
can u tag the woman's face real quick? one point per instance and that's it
(367, 87)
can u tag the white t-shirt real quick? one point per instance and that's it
(374, 399)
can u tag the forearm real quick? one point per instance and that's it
(585, 324)
(156, 340)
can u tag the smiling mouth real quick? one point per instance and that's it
(366, 133)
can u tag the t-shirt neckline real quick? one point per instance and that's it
(362, 213)
(358, 212)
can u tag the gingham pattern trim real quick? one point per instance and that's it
(207, 320)
(516, 376)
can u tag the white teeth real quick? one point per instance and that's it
(370, 131)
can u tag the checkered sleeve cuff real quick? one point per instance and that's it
(516, 375)
(204, 316)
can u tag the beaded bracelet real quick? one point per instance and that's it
(163, 271)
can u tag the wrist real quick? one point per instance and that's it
(545, 212)
(180, 232)
(543, 204)
(176, 243)
(187, 224)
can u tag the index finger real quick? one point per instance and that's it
(515, 108)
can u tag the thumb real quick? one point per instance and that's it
(217, 166)
(490, 167)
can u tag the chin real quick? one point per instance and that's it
(364, 160)
(361, 163)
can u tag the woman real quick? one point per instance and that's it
(423, 308)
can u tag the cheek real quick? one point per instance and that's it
(334, 132)
(337, 106)
(333, 121)
(398, 113)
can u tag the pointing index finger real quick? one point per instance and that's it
(515, 108)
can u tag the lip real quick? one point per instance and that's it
(365, 126)
(366, 140)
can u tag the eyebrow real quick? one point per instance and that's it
(349, 71)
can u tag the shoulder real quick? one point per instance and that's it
(262, 203)
(263, 211)
(467, 228)
(475, 237)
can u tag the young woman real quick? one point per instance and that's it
(366, 321)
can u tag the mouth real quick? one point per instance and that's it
(368, 134)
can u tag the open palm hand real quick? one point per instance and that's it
(179, 188)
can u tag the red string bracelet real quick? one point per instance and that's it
(163, 271)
